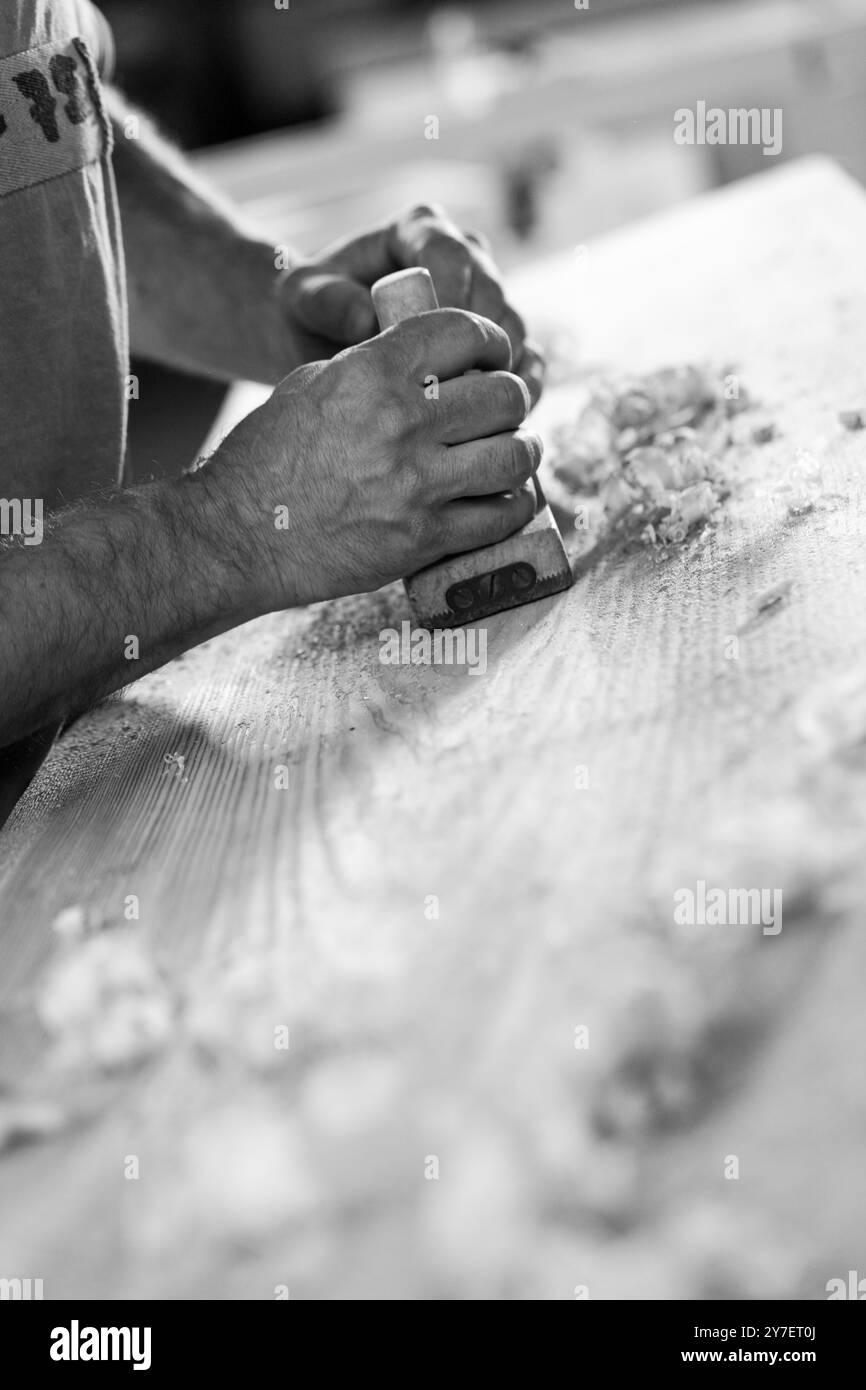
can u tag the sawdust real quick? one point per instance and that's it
(245, 1161)
(103, 1004)
(766, 603)
(718, 1263)
(348, 1095)
(227, 1174)
(25, 1120)
(237, 1009)
(763, 434)
(176, 762)
(70, 924)
(831, 717)
(773, 596)
(643, 454)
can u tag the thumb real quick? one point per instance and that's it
(333, 306)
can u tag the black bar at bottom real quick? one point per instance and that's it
(161, 1339)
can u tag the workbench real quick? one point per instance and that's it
(420, 1021)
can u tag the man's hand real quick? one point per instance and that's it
(206, 294)
(350, 476)
(354, 473)
(328, 299)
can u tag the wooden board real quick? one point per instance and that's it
(397, 864)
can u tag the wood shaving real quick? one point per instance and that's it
(770, 598)
(233, 1011)
(645, 452)
(244, 1172)
(832, 716)
(23, 1121)
(763, 434)
(104, 1005)
(71, 923)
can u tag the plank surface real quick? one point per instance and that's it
(395, 863)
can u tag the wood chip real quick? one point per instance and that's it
(762, 434)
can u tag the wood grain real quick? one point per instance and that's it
(415, 1036)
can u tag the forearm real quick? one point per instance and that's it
(203, 291)
(114, 590)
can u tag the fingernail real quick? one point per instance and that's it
(536, 443)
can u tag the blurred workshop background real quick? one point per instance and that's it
(542, 124)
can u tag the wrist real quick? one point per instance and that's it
(216, 548)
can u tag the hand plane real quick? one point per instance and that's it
(530, 564)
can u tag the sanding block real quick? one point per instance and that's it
(530, 564)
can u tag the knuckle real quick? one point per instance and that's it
(408, 485)
(486, 333)
(477, 238)
(444, 245)
(420, 211)
(302, 378)
(472, 331)
(422, 531)
(443, 239)
(394, 420)
(476, 325)
(489, 300)
(409, 476)
(357, 367)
